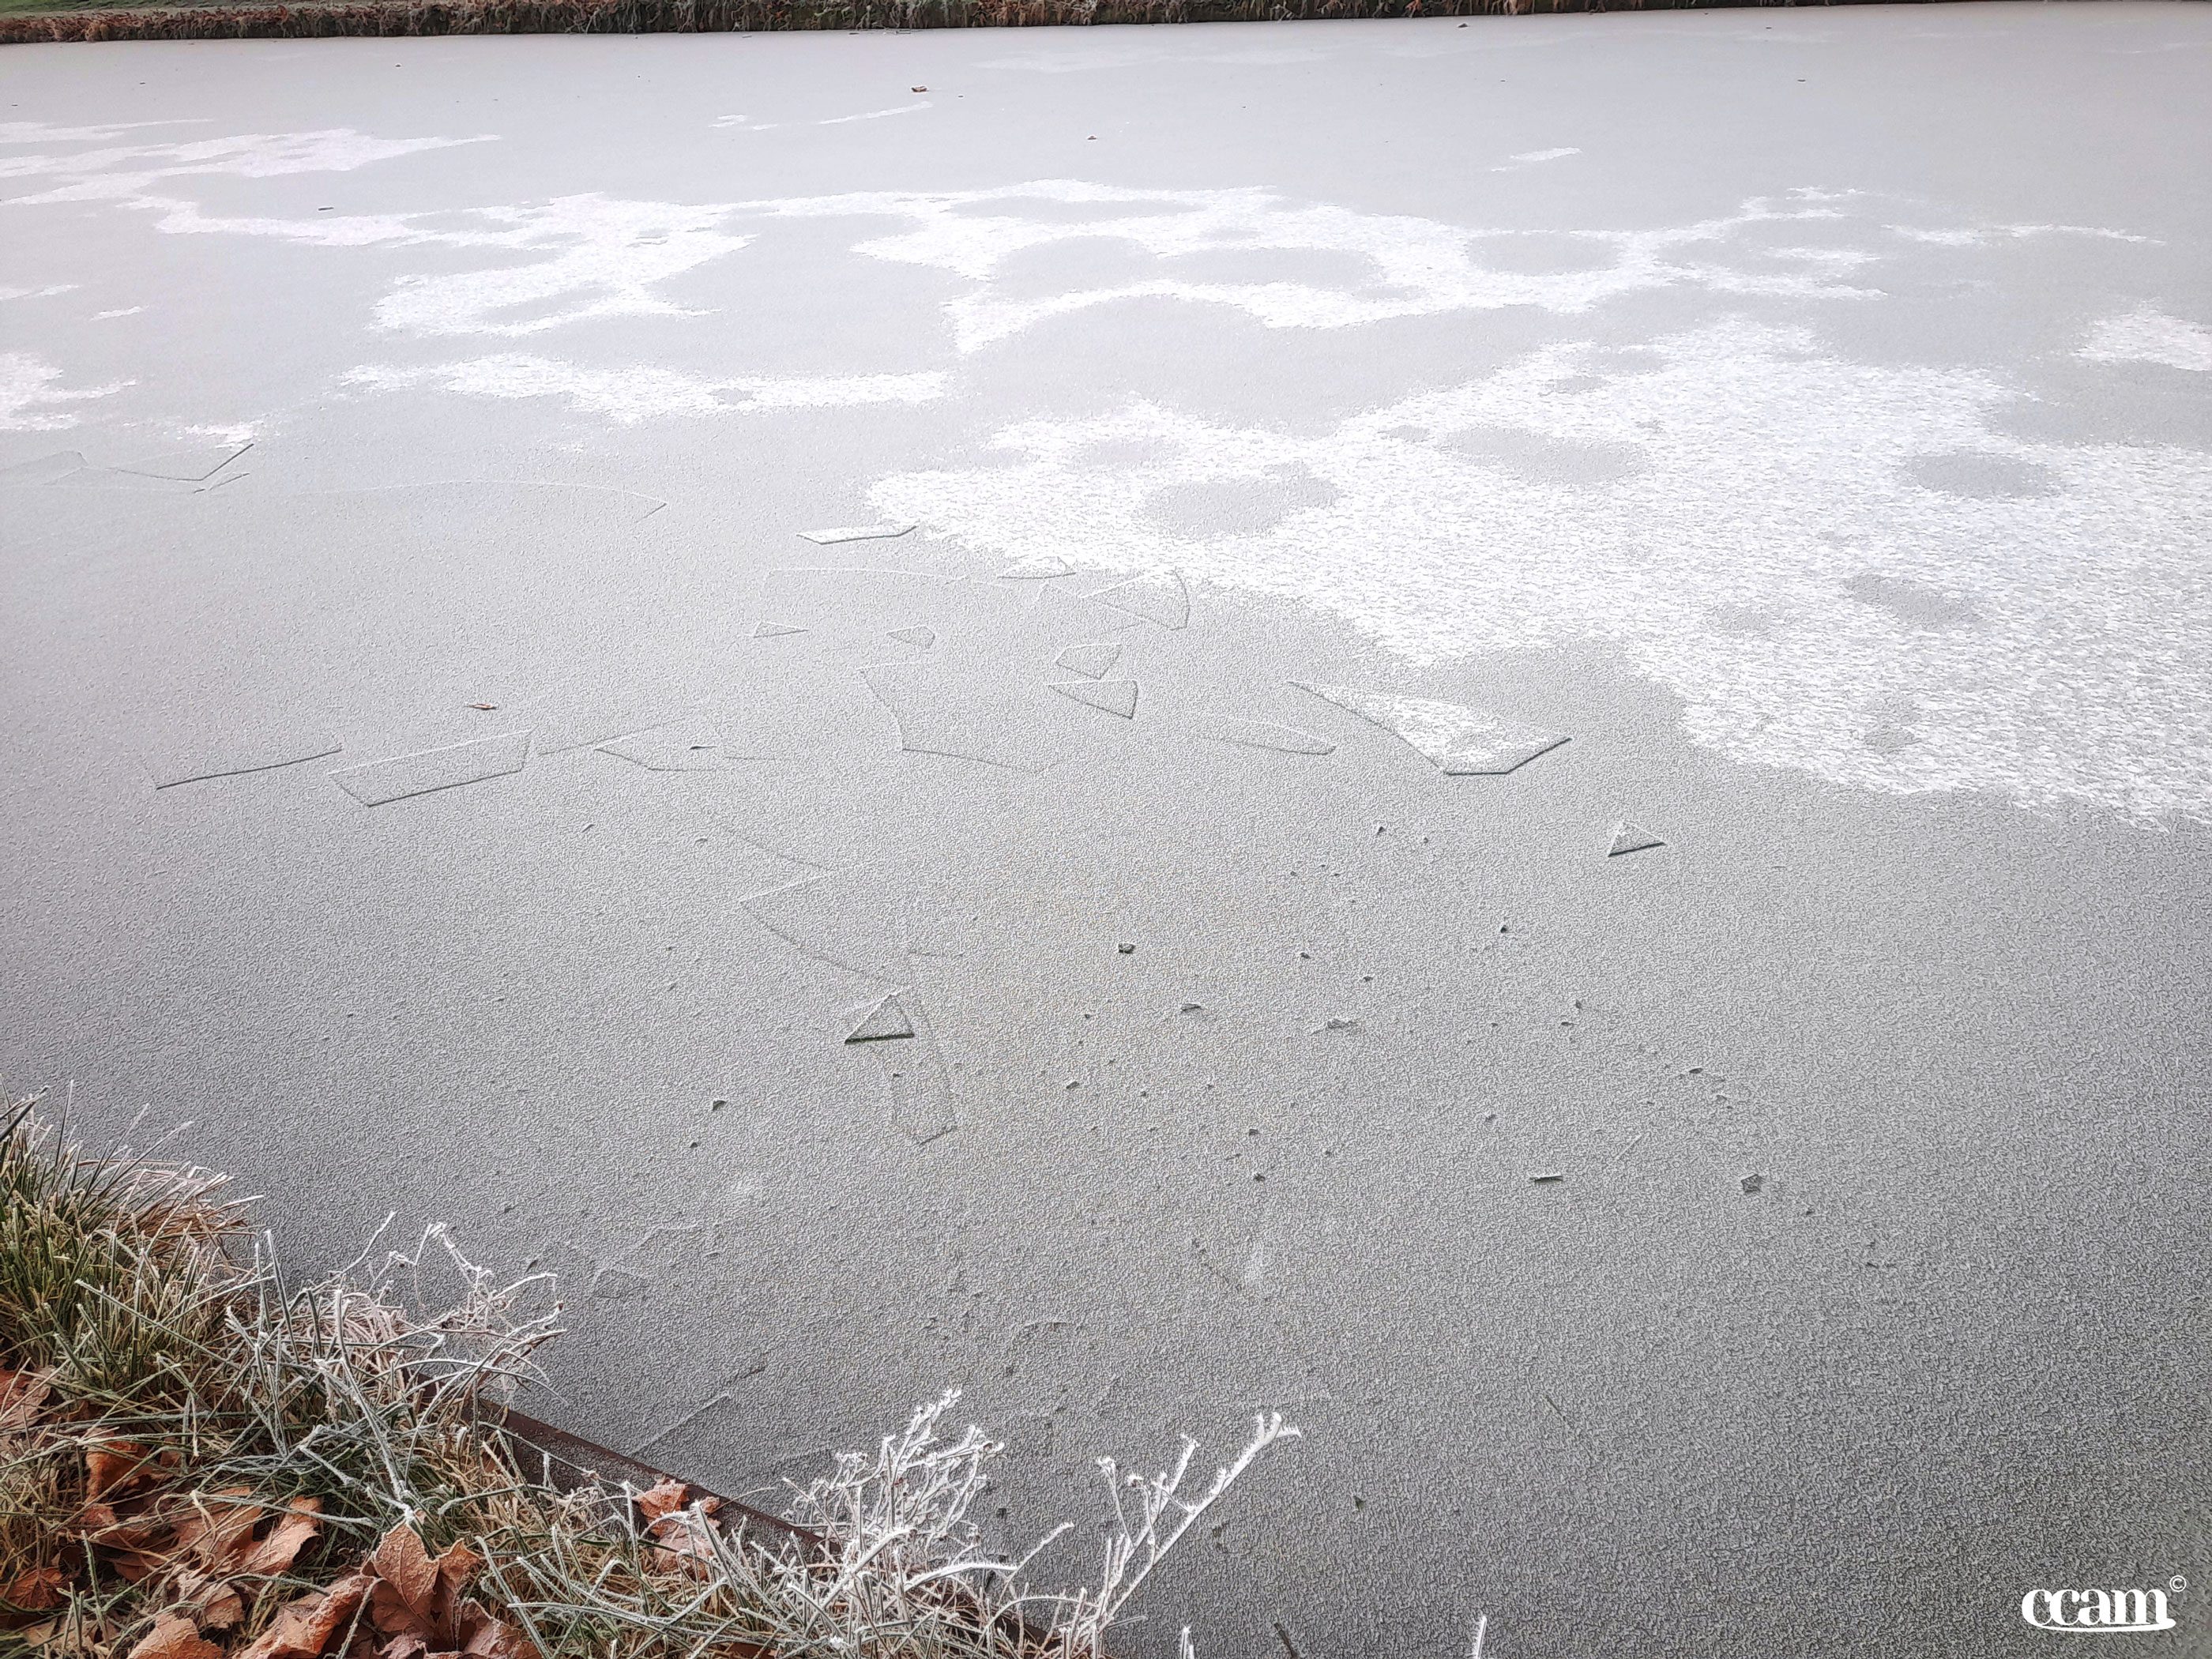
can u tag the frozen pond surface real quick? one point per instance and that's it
(549, 582)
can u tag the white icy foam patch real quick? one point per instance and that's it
(1839, 568)
(129, 173)
(2150, 336)
(28, 394)
(642, 392)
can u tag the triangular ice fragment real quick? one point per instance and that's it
(1460, 740)
(44, 470)
(924, 637)
(1262, 734)
(1036, 570)
(692, 745)
(186, 761)
(185, 465)
(429, 770)
(1115, 697)
(773, 630)
(1093, 662)
(885, 1020)
(1631, 838)
(1158, 596)
(855, 532)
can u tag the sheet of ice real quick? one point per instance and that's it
(850, 918)
(992, 716)
(429, 770)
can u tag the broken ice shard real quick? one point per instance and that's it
(1262, 734)
(855, 532)
(1631, 838)
(886, 1020)
(188, 762)
(1158, 596)
(1115, 697)
(1460, 740)
(693, 745)
(1093, 661)
(432, 769)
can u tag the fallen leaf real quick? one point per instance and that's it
(22, 1394)
(111, 1466)
(920, 88)
(483, 708)
(274, 1553)
(219, 1530)
(304, 1630)
(455, 1565)
(222, 1610)
(402, 1562)
(484, 1637)
(175, 1637)
(35, 1591)
(665, 1497)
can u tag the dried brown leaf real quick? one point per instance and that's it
(402, 1562)
(175, 1637)
(219, 1528)
(35, 1591)
(111, 1466)
(222, 1610)
(664, 1497)
(304, 1630)
(484, 1637)
(22, 1394)
(455, 1566)
(276, 1552)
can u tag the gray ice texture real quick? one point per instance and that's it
(1505, 742)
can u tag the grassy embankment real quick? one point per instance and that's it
(25, 20)
(203, 1459)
